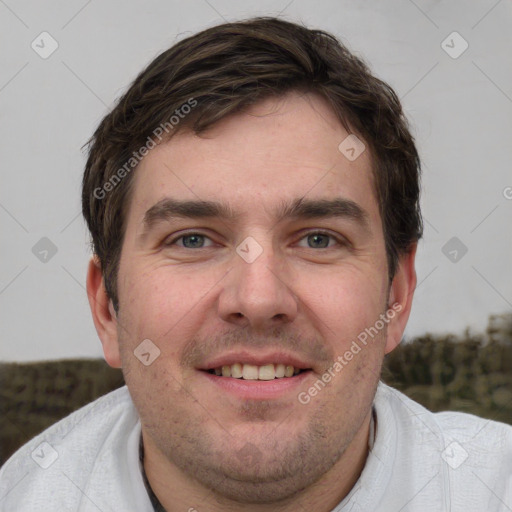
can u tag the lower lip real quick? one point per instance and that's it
(258, 389)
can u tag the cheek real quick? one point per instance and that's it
(346, 302)
(161, 301)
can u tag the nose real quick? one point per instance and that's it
(258, 294)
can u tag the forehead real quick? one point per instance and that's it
(277, 151)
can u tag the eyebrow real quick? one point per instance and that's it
(298, 209)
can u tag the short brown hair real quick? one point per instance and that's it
(223, 70)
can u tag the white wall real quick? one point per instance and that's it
(461, 113)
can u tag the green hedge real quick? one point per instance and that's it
(444, 373)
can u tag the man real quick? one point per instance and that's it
(253, 201)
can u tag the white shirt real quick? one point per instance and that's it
(419, 461)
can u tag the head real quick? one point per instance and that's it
(230, 225)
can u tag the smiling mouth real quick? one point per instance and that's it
(253, 372)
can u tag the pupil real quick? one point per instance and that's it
(316, 237)
(192, 237)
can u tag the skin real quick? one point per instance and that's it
(207, 449)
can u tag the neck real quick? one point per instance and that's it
(177, 491)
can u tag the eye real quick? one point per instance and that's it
(320, 240)
(314, 239)
(189, 241)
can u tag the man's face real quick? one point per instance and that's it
(250, 291)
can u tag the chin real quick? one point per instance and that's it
(264, 471)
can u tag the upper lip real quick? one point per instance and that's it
(259, 359)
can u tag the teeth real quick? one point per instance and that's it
(267, 372)
(253, 372)
(236, 371)
(250, 372)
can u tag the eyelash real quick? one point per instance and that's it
(339, 240)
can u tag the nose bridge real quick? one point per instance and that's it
(258, 287)
(257, 264)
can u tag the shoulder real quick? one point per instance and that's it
(450, 424)
(96, 416)
(68, 451)
(466, 459)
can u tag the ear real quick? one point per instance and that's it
(103, 314)
(400, 298)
